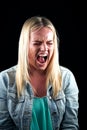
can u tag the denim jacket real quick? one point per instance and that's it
(16, 113)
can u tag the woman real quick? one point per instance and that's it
(38, 93)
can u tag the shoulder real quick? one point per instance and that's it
(13, 68)
(9, 70)
(65, 70)
(68, 79)
(7, 75)
(66, 73)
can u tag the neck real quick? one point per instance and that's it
(38, 83)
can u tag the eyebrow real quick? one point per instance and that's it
(42, 40)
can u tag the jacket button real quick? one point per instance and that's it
(50, 97)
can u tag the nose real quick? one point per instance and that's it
(43, 47)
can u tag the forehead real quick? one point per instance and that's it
(42, 33)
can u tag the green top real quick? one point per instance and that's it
(41, 119)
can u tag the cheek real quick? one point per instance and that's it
(31, 58)
(31, 54)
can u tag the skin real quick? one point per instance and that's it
(41, 49)
(40, 45)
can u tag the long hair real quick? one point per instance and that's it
(53, 74)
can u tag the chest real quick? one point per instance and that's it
(39, 88)
(22, 109)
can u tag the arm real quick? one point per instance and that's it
(70, 119)
(6, 122)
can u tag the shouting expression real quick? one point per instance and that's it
(41, 48)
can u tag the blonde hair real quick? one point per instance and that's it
(53, 74)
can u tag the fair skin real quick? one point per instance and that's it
(41, 49)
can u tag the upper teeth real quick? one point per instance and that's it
(43, 55)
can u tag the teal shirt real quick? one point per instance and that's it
(41, 119)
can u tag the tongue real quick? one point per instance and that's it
(41, 59)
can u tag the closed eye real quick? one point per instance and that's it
(50, 43)
(37, 43)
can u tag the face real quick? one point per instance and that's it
(41, 48)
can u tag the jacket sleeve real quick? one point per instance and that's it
(5, 120)
(70, 118)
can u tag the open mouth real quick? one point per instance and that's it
(42, 58)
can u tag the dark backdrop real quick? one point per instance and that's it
(69, 20)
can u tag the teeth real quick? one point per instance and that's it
(42, 55)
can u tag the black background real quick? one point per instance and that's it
(69, 19)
